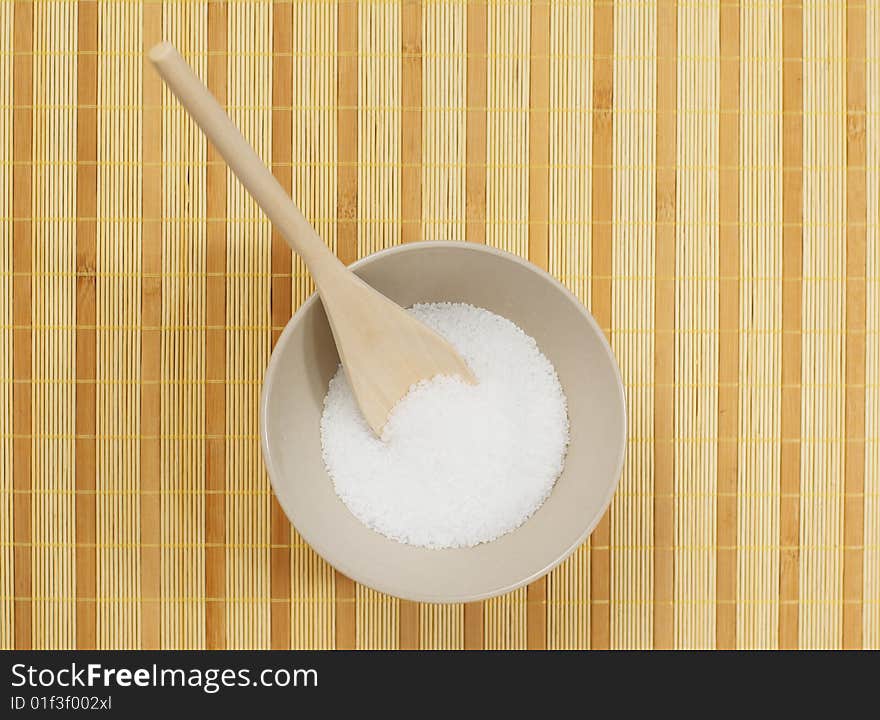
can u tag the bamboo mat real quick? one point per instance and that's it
(703, 174)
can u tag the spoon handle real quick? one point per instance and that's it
(241, 158)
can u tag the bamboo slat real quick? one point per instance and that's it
(824, 310)
(53, 314)
(441, 627)
(118, 314)
(313, 145)
(476, 88)
(7, 639)
(505, 622)
(792, 316)
(856, 323)
(86, 445)
(152, 604)
(217, 344)
(183, 349)
(666, 256)
(247, 342)
(760, 321)
(379, 111)
(632, 317)
(507, 128)
(696, 325)
(571, 135)
(22, 153)
(871, 580)
(378, 620)
(703, 175)
(444, 119)
(729, 285)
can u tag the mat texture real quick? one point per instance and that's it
(704, 175)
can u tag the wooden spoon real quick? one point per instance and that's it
(383, 349)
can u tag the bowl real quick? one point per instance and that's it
(305, 359)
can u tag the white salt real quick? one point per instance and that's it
(457, 464)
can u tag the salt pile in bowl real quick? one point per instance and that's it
(457, 464)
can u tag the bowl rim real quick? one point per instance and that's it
(339, 563)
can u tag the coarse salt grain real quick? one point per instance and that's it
(457, 464)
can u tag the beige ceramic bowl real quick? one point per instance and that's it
(305, 359)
